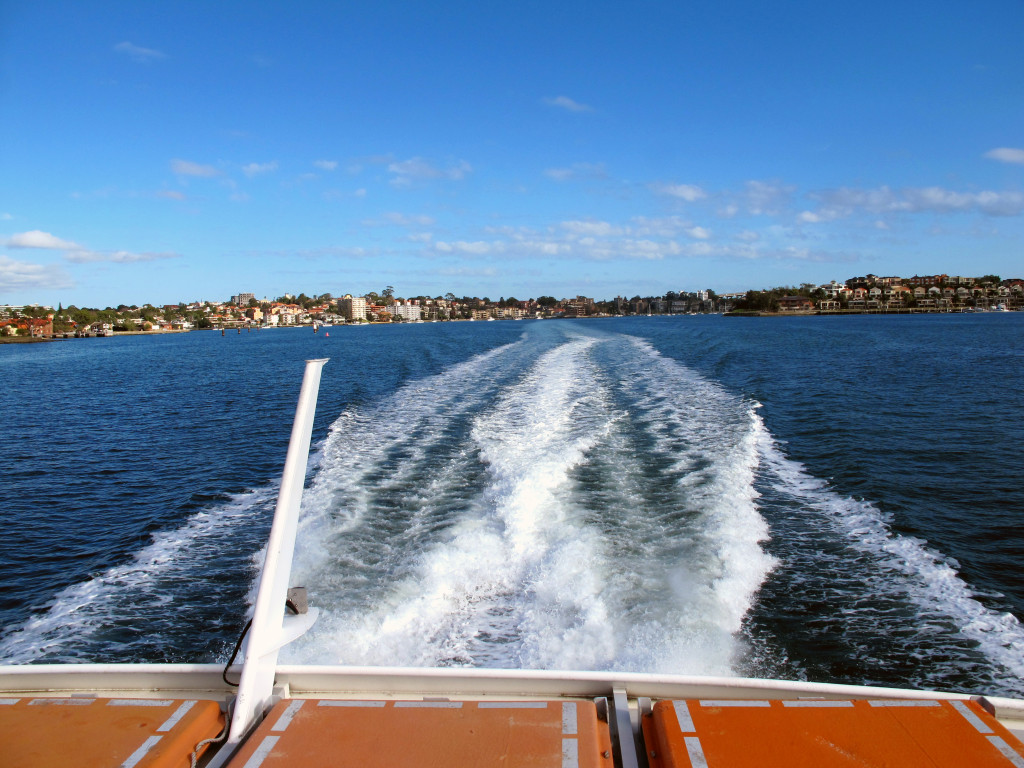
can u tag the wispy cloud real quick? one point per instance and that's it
(171, 194)
(766, 198)
(571, 105)
(326, 165)
(256, 169)
(847, 201)
(641, 238)
(400, 220)
(138, 53)
(415, 169)
(477, 247)
(1006, 155)
(83, 256)
(188, 168)
(578, 171)
(5, 217)
(22, 275)
(592, 228)
(688, 192)
(39, 239)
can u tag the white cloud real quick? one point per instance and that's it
(764, 198)
(83, 256)
(188, 168)
(326, 165)
(699, 233)
(564, 102)
(417, 169)
(660, 227)
(171, 194)
(400, 220)
(38, 239)
(361, 192)
(21, 275)
(476, 248)
(255, 169)
(592, 228)
(688, 192)
(747, 236)
(5, 217)
(1006, 155)
(577, 171)
(137, 53)
(846, 201)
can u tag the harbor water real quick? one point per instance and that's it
(825, 498)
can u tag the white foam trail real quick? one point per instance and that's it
(144, 584)
(708, 439)
(926, 577)
(537, 571)
(458, 590)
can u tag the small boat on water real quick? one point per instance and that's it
(256, 713)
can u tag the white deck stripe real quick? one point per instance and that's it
(61, 702)
(286, 717)
(4, 702)
(430, 704)
(174, 719)
(350, 703)
(570, 753)
(683, 717)
(513, 705)
(971, 718)
(569, 718)
(141, 752)
(140, 702)
(734, 703)
(902, 703)
(262, 752)
(796, 703)
(1008, 752)
(696, 752)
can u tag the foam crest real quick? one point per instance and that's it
(131, 601)
(908, 568)
(462, 597)
(710, 539)
(601, 515)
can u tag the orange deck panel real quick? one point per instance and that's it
(828, 734)
(104, 733)
(314, 733)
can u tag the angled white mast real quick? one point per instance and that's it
(271, 629)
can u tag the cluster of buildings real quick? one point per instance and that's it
(928, 293)
(868, 293)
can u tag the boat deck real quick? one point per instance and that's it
(155, 716)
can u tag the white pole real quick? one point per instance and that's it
(270, 630)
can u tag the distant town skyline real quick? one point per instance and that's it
(158, 152)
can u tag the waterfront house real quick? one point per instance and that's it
(795, 304)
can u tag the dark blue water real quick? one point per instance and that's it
(823, 498)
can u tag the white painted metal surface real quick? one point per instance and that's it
(270, 628)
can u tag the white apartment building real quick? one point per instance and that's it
(353, 307)
(410, 313)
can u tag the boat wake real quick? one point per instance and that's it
(594, 509)
(572, 500)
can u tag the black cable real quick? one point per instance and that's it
(238, 647)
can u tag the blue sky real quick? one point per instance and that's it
(157, 152)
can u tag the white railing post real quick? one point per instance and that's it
(271, 629)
